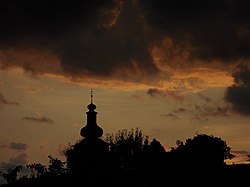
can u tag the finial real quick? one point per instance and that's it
(91, 95)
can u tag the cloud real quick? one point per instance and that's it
(86, 39)
(175, 113)
(204, 97)
(20, 159)
(180, 110)
(4, 101)
(206, 30)
(14, 146)
(241, 157)
(133, 41)
(221, 111)
(18, 146)
(201, 113)
(240, 152)
(171, 115)
(38, 119)
(154, 92)
(111, 51)
(205, 112)
(29, 20)
(208, 111)
(238, 94)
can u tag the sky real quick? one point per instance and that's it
(173, 69)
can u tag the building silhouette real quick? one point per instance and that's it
(90, 153)
(91, 130)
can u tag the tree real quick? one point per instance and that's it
(56, 166)
(87, 154)
(11, 174)
(125, 146)
(37, 169)
(130, 149)
(203, 150)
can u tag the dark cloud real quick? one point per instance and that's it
(90, 38)
(239, 93)
(116, 38)
(210, 30)
(44, 21)
(205, 112)
(20, 159)
(154, 92)
(201, 113)
(103, 51)
(175, 113)
(4, 101)
(18, 146)
(180, 110)
(38, 119)
(204, 97)
(171, 115)
(221, 111)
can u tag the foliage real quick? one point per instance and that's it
(130, 149)
(86, 154)
(37, 169)
(126, 149)
(202, 149)
(126, 145)
(71, 156)
(131, 156)
(127, 142)
(56, 166)
(11, 174)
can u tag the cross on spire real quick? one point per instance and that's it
(91, 95)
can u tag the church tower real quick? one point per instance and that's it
(91, 130)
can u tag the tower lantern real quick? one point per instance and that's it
(91, 129)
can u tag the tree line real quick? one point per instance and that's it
(129, 158)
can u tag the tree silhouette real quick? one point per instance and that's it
(126, 147)
(199, 160)
(132, 160)
(129, 155)
(135, 158)
(86, 155)
(56, 166)
(11, 174)
(203, 150)
(37, 169)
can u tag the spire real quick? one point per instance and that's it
(91, 95)
(91, 106)
(91, 130)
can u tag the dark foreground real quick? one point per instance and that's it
(229, 175)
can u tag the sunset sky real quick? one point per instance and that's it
(171, 68)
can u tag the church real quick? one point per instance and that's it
(89, 153)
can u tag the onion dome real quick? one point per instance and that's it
(91, 129)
